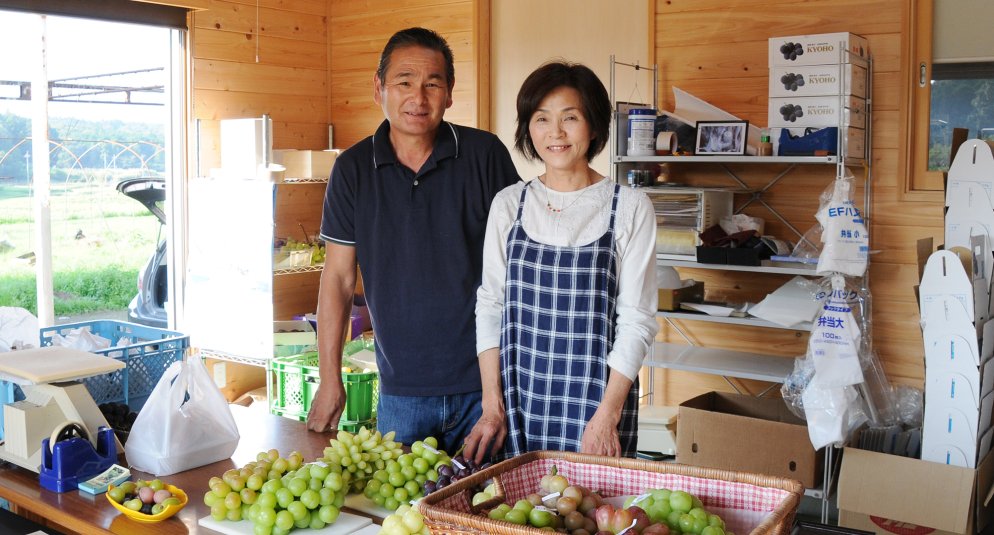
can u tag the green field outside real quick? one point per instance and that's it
(100, 239)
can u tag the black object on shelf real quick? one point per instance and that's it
(814, 528)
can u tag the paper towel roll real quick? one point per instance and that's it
(665, 143)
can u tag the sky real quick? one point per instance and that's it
(82, 47)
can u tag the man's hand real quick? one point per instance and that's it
(491, 431)
(600, 437)
(326, 407)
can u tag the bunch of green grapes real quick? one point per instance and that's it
(406, 521)
(681, 511)
(408, 477)
(360, 455)
(278, 494)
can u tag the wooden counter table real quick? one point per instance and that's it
(78, 512)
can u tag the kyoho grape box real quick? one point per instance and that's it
(817, 80)
(818, 112)
(817, 49)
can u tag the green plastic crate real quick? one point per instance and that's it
(292, 382)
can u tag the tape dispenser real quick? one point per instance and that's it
(68, 456)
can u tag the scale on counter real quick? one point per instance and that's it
(57, 430)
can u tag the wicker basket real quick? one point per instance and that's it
(767, 504)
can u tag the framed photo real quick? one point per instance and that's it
(726, 138)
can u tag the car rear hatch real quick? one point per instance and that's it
(150, 191)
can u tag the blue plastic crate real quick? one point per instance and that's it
(149, 353)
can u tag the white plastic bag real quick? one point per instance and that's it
(846, 240)
(185, 423)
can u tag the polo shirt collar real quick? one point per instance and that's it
(446, 144)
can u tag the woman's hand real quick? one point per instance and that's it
(490, 430)
(600, 437)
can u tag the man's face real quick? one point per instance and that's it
(415, 92)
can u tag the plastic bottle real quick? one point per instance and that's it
(765, 146)
(641, 138)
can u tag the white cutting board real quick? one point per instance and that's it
(53, 363)
(345, 525)
(361, 503)
(368, 530)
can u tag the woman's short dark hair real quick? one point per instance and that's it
(423, 38)
(594, 102)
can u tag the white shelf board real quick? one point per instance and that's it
(722, 362)
(751, 321)
(767, 267)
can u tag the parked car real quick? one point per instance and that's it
(147, 308)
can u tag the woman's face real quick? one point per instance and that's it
(559, 131)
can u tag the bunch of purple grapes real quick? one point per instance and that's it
(791, 112)
(460, 468)
(791, 50)
(792, 81)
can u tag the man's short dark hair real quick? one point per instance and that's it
(421, 37)
(594, 103)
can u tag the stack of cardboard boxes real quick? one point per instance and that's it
(818, 82)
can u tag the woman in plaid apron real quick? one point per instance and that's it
(566, 311)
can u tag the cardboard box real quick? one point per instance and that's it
(817, 49)
(306, 163)
(888, 494)
(749, 434)
(819, 112)
(817, 80)
(670, 299)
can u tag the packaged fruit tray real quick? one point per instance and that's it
(751, 504)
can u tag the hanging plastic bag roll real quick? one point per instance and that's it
(185, 423)
(846, 239)
(835, 340)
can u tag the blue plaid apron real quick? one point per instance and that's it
(556, 332)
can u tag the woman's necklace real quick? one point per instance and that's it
(553, 209)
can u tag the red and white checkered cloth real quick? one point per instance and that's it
(609, 482)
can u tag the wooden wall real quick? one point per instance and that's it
(251, 59)
(316, 63)
(357, 32)
(717, 50)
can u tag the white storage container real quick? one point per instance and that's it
(682, 213)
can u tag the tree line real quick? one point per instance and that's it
(77, 145)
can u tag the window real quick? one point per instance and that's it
(115, 111)
(962, 97)
(952, 85)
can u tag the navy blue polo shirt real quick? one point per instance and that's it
(419, 244)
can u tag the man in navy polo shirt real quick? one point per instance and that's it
(410, 205)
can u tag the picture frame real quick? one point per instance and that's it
(721, 138)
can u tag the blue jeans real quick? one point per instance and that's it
(447, 418)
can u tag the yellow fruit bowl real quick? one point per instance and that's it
(139, 516)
